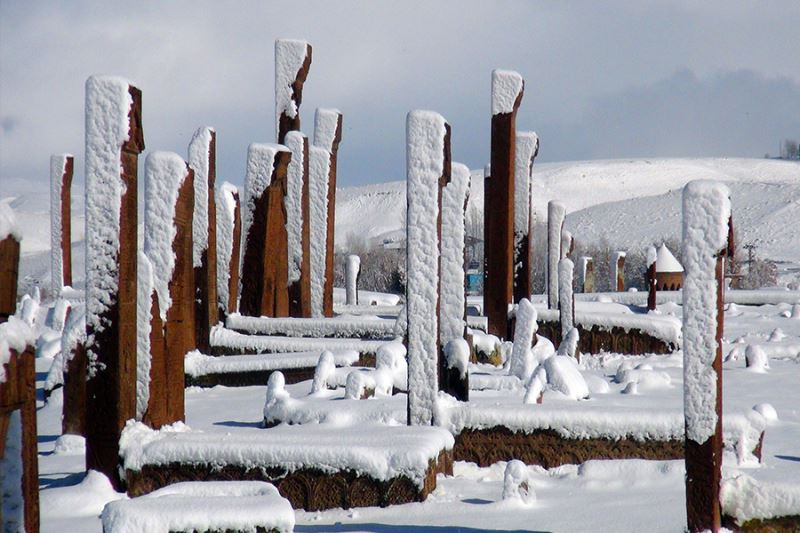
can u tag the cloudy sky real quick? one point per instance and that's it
(603, 79)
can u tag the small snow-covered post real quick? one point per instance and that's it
(566, 298)
(61, 168)
(265, 272)
(169, 194)
(428, 170)
(352, 271)
(527, 147)
(203, 161)
(292, 61)
(650, 277)
(327, 135)
(587, 274)
(555, 225)
(507, 90)
(706, 210)
(298, 228)
(114, 140)
(229, 243)
(10, 237)
(567, 243)
(618, 272)
(452, 312)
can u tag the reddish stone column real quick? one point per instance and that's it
(299, 253)
(328, 135)
(9, 275)
(203, 159)
(588, 274)
(111, 324)
(233, 280)
(73, 420)
(650, 277)
(619, 272)
(292, 61)
(507, 90)
(61, 169)
(527, 146)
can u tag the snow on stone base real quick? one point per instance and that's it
(340, 326)
(202, 506)
(379, 451)
(744, 498)
(197, 364)
(225, 338)
(8, 223)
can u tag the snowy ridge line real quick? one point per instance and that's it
(225, 338)
(371, 310)
(340, 326)
(380, 451)
(197, 364)
(744, 498)
(741, 432)
(663, 327)
(202, 506)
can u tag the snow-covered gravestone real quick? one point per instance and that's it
(203, 160)
(566, 299)
(297, 226)
(168, 224)
(10, 237)
(507, 90)
(453, 308)
(556, 213)
(292, 61)
(114, 140)
(526, 150)
(265, 273)
(61, 168)
(706, 211)
(352, 271)
(587, 274)
(618, 271)
(428, 171)
(229, 240)
(322, 191)
(650, 277)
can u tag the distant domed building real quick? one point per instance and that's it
(669, 272)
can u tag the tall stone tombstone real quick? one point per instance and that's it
(265, 274)
(526, 150)
(556, 212)
(114, 140)
(618, 272)
(61, 169)
(203, 161)
(587, 274)
(229, 239)
(328, 135)
(706, 212)
(298, 226)
(507, 90)
(650, 277)
(168, 246)
(428, 171)
(292, 61)
(10, 238)
(453, 297)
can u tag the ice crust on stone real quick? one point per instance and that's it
(108, 103)
(290, 54)
(165, 173)
(565, 299)
(365, 326)
(8, 223)
(527, 144)
(452, 298)
(226, 210)
(506, 88)
(144, 324)
(517, 485)
(197, 364)
(199, 153)
(295, 142)
(744, 498)
(58, 163)
(563, 376)
(556, 212)
(425, 136)
(524, 330)
(319, 160)
(266, 343)
(706, 210)
(569, 346)
(202, 506)
(323, 372)
(15, 334)
(326, 121)
(352, 268)
(456, 352)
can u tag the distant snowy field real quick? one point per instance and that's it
(631, 202)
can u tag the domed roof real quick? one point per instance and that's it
(666, 262)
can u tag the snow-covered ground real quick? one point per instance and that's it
(597, 495)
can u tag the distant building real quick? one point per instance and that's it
(669, 272)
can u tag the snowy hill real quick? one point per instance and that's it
(632, 203)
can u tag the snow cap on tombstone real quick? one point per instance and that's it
(506, 88)
(326, 121)
(164, 176)
(290, 54)
(199, 150)
(706, 208)
(652, 255)
(425, 131)
(8, 223)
